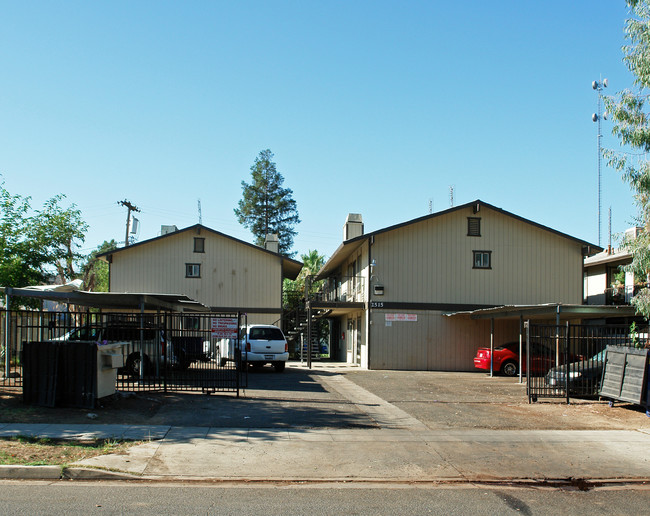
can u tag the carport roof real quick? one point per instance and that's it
(113, 300)
(566, 312)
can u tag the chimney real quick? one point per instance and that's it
(165, 230)
(353, 226)
(271, 243)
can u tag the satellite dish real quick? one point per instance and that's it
(594, 85)
(594, 117)
(605, 83)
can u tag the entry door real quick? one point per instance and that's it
(351, 344)
(357, 341)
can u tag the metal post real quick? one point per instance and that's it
(141, 338)
(492, 347)
(521, 337)
(7, 331)
(527, 326)
(566, 362)
(308, 306)
(309, 337)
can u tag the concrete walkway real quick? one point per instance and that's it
(402, 449)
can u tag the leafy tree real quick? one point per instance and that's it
(60, 231)
(95, 271)
(21, 262)
(36, 244)
(629, 111)
(266, 207)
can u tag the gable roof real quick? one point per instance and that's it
(347, 247)
(290, 267)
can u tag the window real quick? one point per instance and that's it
(474, 226)
(192, 270)
(482, 259)
(199, 245)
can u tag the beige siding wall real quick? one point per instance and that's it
(434, 342)
(232, 274)
(595, 285)
(431, 262)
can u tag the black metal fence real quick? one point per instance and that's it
(567, 361)
(161, 351)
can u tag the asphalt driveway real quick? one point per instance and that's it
(338, 396)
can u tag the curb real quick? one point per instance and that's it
(76, 473)
(10, 472)
(30, 472)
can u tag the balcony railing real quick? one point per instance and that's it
(621, 295)
(342, 289)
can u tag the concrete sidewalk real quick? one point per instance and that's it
(222, 454)
(398, 447)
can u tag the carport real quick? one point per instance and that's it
(551, 313)
(167, 340)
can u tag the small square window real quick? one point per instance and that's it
(192, 270)
(474, 226)
(199, 245)
(482, 259)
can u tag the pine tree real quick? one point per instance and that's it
(266, 207)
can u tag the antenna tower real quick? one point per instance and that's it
(597, 117)
(200, 217)
(451, 196)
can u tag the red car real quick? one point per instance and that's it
(506, 359)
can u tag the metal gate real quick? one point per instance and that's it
(567, 361)
(160, 352)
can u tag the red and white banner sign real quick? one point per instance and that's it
(224, 327)
(402, 317)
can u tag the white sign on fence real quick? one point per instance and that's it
(224, 327)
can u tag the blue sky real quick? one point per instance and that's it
(371, 107)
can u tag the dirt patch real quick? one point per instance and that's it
(125, 409)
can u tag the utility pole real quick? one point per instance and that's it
(130, 207)
(598, 117)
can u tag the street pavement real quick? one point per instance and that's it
(367, 438)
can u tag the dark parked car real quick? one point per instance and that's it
(584, 375)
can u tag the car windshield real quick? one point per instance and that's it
(266, 334)
(598, 357)
(83, 333)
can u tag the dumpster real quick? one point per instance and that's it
(69, 373)
(109, 359)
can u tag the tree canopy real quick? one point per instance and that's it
(266, 206)
(95, 271)
(629, 112)
(295, 289)
(38, 243)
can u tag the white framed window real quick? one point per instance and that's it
(482, 259)
(192, 270)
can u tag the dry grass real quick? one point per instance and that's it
(28, 451)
